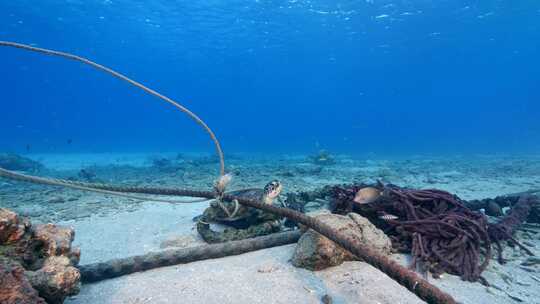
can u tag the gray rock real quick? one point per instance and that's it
(56, 200)
(316, 252)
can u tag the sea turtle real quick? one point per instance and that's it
(244, 221)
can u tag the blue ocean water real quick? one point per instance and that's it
(387, 77)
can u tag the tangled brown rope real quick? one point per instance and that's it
(130, 81)
(441, 234)
(439, 229)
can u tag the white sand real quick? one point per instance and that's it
(132, 233)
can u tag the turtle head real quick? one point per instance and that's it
(271, 191)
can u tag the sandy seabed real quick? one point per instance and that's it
(111, 227)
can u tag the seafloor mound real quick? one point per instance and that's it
(16, 162)
(316, 252)
(37, 262)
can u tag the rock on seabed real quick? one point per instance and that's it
(37, 263)
(316, 252)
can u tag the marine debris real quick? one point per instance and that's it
(119, 267)
(440, 232)
(37, 262)
(436, 227)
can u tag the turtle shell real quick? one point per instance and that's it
(243, 211)
(253, 193)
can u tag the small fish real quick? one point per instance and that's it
(69, 141)
(28, 148)
(367, 195)
(388, 217)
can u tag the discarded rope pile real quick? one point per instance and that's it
(503, 230)
(440, 232)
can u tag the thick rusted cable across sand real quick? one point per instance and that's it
(90, 187)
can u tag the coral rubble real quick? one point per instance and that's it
(15, 286)
(37, 263)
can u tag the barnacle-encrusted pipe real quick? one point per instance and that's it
(119, 267)
(130, 81)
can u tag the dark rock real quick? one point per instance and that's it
(286, 174)
(166, 165)
(56, 200)
(16, 162)
(308, 170)
(15, 288)
(326, 299)
(87, 174)
(161, 162)
(534, 216)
